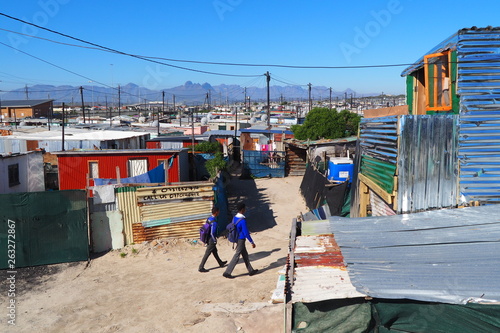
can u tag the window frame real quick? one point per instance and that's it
(89, 169)
(14, 178)
(434, 86)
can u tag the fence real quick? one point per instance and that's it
(264, 163)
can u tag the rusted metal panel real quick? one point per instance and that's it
(127, 204)
(320, 271)
(379, 206)
(189, 229)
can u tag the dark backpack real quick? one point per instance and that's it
(205, 232)
(232, 231)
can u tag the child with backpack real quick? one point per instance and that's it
(240, 225)
(210, 238)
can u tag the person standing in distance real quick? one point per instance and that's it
(212, 242)
(241, 249)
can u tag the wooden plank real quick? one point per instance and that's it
(377, 189)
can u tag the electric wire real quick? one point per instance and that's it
(124, 53)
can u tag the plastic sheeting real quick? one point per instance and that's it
(317, 190)
(381, 316)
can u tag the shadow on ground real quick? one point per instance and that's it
(259, 214)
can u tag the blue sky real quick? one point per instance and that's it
(307, 33)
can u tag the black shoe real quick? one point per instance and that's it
(222, 264)
(228, 276)
(203, 270)
(255, 271)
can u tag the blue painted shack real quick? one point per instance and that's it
(446, 152)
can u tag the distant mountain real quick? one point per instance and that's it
(189, 93)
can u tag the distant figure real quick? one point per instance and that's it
(241, 249)
(212, 242)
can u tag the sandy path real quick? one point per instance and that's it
(160, 290)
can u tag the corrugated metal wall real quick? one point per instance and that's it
(127, 204)
(73, 168)
(479, 89)
(427, 162)
(172, 211)
(420, 150)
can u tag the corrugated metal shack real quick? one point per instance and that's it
(446, 152)
(27, 139)
(74, 166)
(434, 271)
(125, 214)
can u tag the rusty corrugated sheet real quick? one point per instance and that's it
(320, 271)
(127, 204)
(176, 210)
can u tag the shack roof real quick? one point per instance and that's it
(263, 131)
(23, 103)
(448, 256)
(73, 134)
(450, 43)
(119, 152)
(320, 271)
(321, 142)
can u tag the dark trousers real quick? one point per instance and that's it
(240, 250)
(211, 249)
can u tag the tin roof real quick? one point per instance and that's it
(24, 103)
(448, 256)
(118, 151)
(258, 130)
(448, 43)
(320, 272)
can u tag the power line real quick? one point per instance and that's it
(145, 57)
(123, 53)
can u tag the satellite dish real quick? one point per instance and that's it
(263, 117)
(253, 120)
(209, 115)
(204, 121)
(142, 120)
(154, 123)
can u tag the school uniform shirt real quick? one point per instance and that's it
(242, 228)
(213, 231)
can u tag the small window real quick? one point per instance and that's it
(93, 170)
(137, 167)
(438, 81)
(13, 175)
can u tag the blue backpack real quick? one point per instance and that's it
(205, 231)
(232, 231)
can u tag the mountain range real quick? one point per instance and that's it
(190, 93)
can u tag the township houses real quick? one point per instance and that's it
(16, 109)
(22, 172)
(80, 169)
(445, 151)
(27, 139)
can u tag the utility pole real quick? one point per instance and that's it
(192, 130)
(110, 118)
(330, 98)
(180, 116)
(310, 99)
(83, 105)
(268, 79)
(119, 102)
(62, 130)
(26, 91)
(351, 101)
(162, 109)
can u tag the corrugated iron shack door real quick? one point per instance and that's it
(264, 163)
(48, 228)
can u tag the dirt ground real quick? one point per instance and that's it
(156, 287)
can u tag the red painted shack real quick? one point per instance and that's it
(75, 165)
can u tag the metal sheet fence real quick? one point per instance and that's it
(47, 228)
(264, 163)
